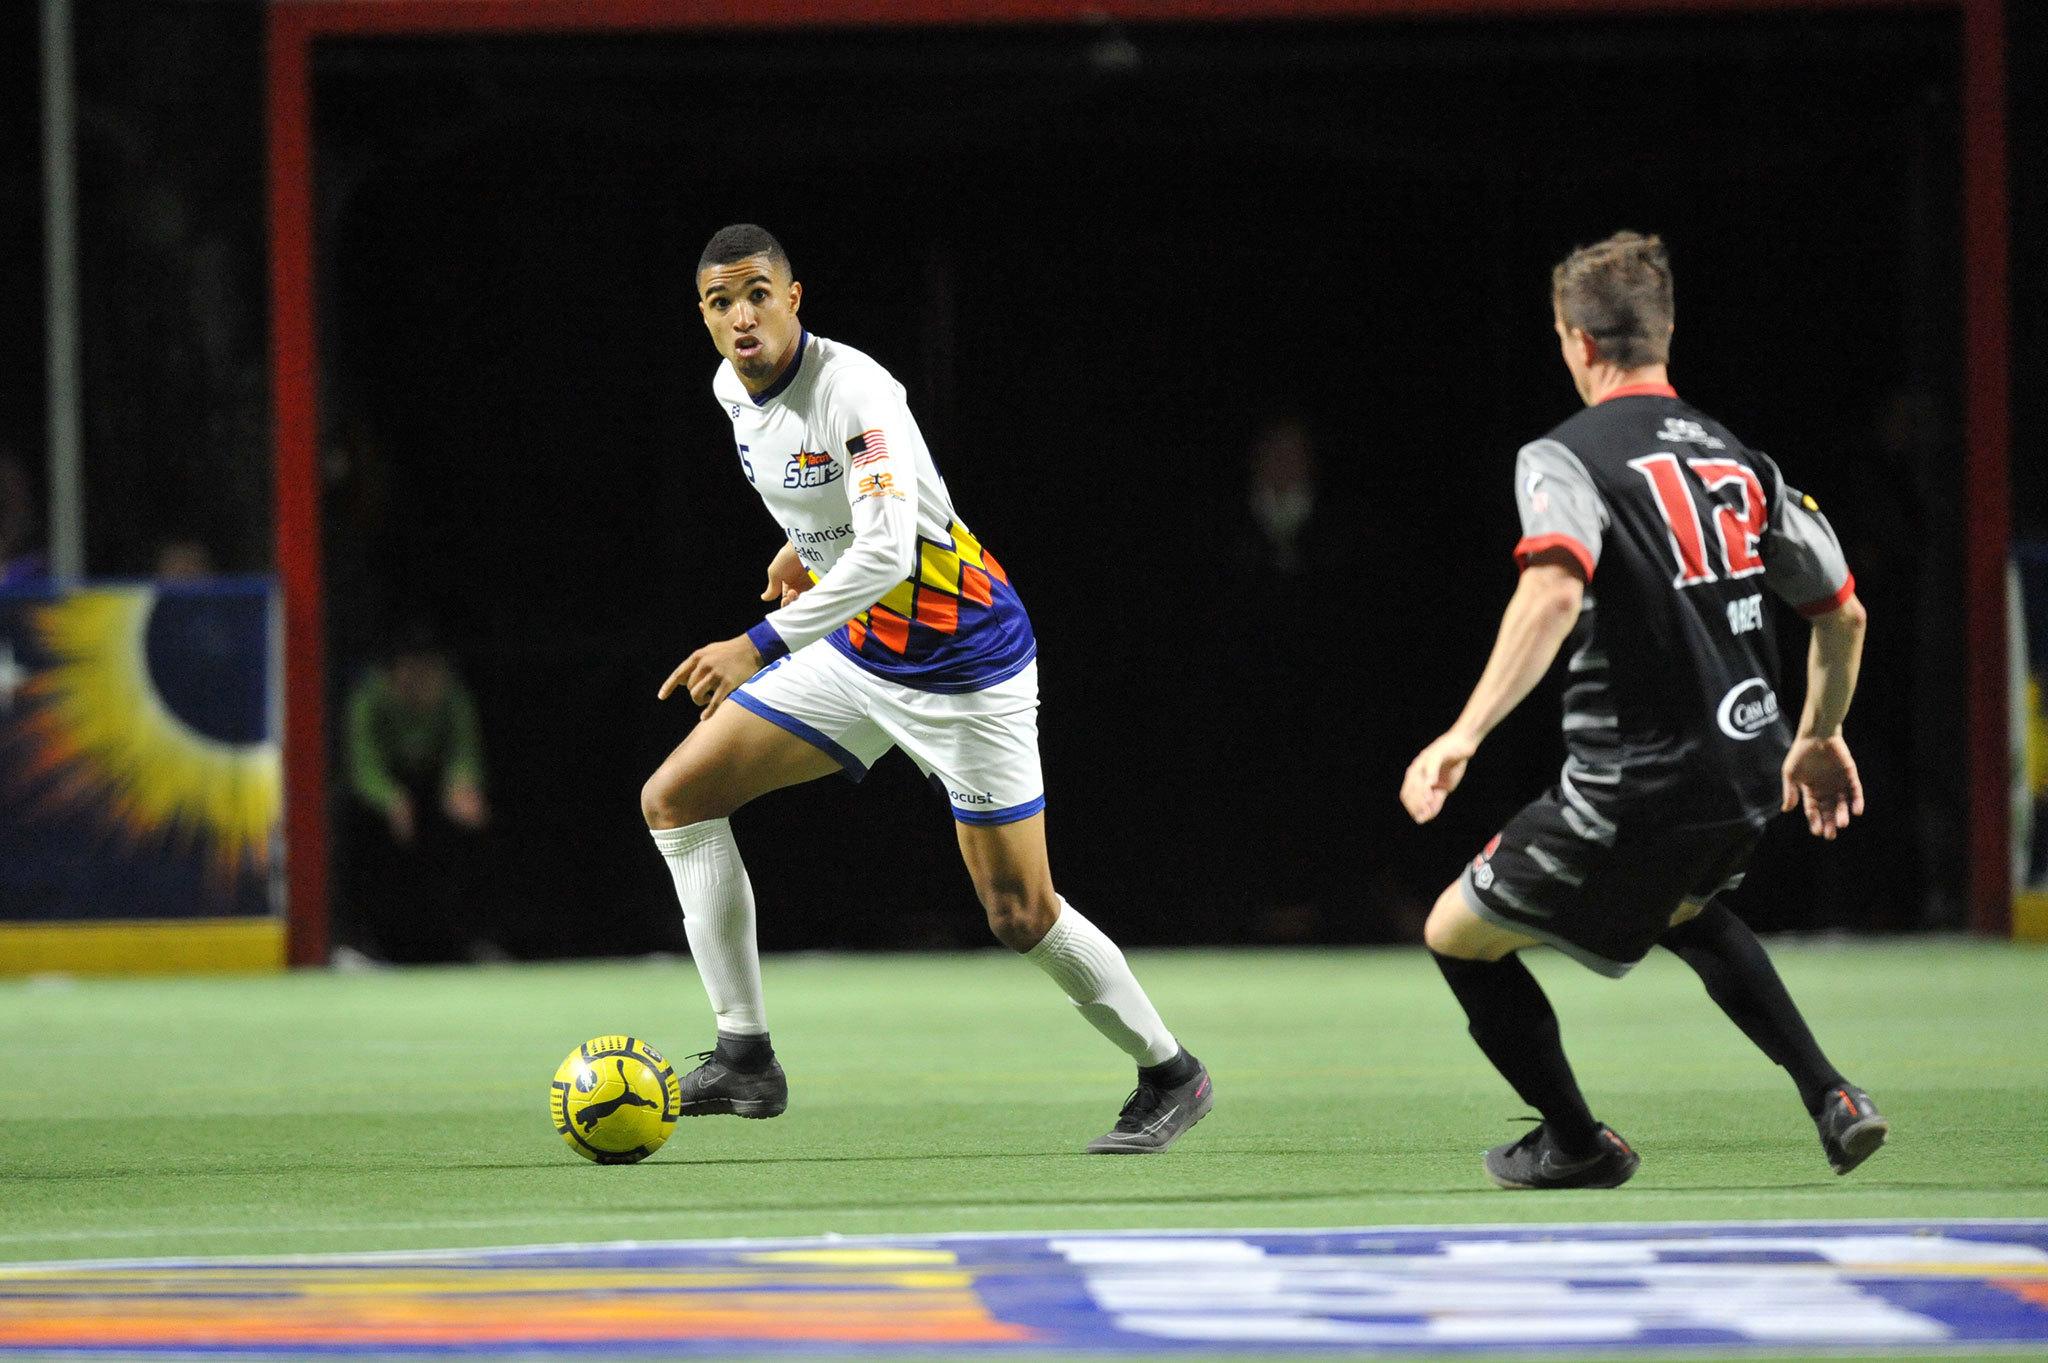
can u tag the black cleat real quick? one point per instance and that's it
(715, 1089)
(1155, 1117)
(1535, 1162)
(1851, 1128)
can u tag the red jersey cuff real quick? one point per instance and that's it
(1827, 605)
(1532, 545)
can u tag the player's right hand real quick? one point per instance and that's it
(1820, 776)
(787, 577)
(1434, 774)
(714, 672)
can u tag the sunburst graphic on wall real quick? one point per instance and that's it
(150, 716)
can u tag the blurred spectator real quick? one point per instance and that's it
(1286, 564)
(183, 559)
(417, 869)
(21, 563)
(1282, 497)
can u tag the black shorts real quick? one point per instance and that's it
(1599, 888)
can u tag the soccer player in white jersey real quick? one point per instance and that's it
(892, 627)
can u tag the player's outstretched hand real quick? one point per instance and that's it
(1434, 774)
(787, 578)
(1820, 776)
(714, 672)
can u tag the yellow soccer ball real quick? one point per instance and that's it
(615, 1100)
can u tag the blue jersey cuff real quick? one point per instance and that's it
(767, 642)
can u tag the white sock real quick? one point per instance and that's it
(1098, 981)
(718, 917)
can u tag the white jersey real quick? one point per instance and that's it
(902, 587)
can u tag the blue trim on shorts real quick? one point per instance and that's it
(993, 816)
(755, 705)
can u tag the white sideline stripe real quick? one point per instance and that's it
(1865, 1226)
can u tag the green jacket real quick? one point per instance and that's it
(392, 746)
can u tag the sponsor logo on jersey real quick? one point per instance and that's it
(1486, 852)
(878, 485)
(1746, 614)
(806, 469)
(1482, 865)
(1690, 433)
(1749, 708)
(807, 542)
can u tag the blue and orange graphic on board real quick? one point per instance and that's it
(1569, 1292)
(139, 775)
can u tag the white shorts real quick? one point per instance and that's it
(981, 746)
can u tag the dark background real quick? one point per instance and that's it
(1101, 260)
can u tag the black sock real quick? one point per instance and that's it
(1741, 979)
(1172, 1073)
(746, 1054)
(1513, 1023)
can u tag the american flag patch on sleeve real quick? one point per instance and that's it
(867, 447)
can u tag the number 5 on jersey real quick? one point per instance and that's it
(1740, 524)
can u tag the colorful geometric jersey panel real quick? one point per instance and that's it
(956, 625)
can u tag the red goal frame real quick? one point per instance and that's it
(293, 26)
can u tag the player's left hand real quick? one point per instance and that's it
(1434, 774)
(714, 672)
(1821, 781)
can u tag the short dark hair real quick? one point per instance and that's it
(1618, 291)
(737, 242)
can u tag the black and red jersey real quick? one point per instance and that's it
(1672, 705)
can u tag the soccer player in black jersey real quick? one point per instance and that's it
(1677, 753)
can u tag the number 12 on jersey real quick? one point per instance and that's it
(1740, 523)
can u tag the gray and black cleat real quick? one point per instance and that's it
(1851, 1128)
(714, 1089)
(1536, 1162)
(1155, 1116)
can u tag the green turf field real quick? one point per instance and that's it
(403, 1109)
